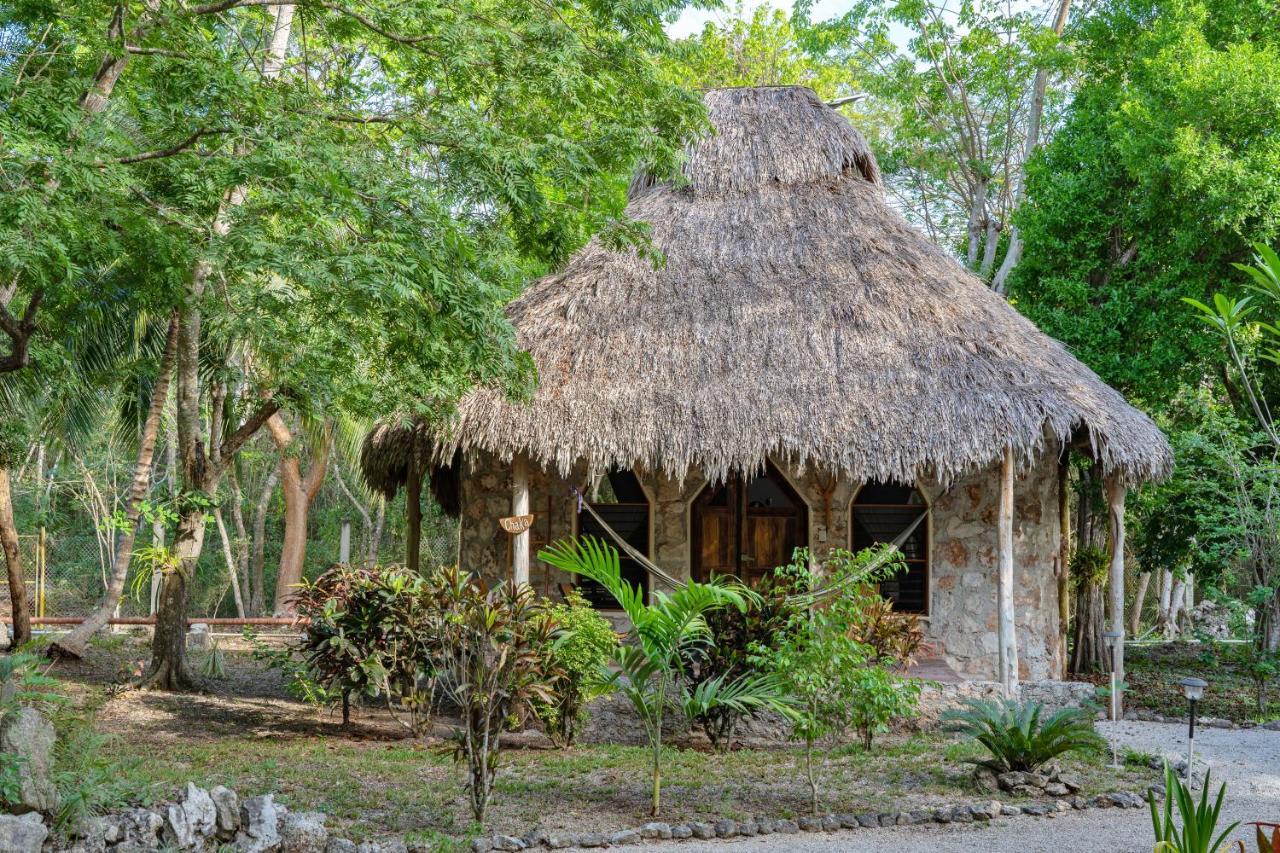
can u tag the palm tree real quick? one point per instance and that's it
(648, 671)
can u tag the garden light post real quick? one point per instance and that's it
(1112, 639)
(1193, 689)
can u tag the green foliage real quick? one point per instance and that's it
(736, 641)
(1088, 567)
(505, 131)
(583, 644)
(1199, 820)
(838, 682)
(1016, 736)
(214, 664)
(648, 670)
(764, 49)
(372, 632)
(1165, 169)
(491, 659)
(22, 683)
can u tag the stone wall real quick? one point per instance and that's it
(961, 623)
(962, 617)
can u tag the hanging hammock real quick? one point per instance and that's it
(805, 599)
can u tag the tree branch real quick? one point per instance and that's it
(232, 443)
(19, 332)
(175, 149)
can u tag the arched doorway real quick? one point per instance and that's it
(622, 502)
(880, 513)
(747, 527)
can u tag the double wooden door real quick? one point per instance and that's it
(746, 528)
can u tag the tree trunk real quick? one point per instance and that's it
(977, 216)
(257, 583)
(1139, 598)
(299, 492)
(233, 574)
(168, 669)
(1088, 651)
(242, 535)
(413, 509)
(1064, 558)
(376, 541)
(1013, 253)
(13, 562)
(75, 643)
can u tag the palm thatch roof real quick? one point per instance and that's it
(798, 316)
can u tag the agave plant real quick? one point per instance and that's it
(1199, 820)
(648, 670)
(1017, 737)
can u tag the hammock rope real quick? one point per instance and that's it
(805, 599)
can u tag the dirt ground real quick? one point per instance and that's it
(375, 781)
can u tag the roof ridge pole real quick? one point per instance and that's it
(1115, 505)
(520, 506)
(1007, 632)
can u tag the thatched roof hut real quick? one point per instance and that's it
(796, 322)
(796, 315)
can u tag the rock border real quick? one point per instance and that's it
(1144, 716)
(962, 813)
(217, 819)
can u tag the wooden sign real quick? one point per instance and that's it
(516, 523)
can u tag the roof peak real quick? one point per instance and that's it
(770, 136)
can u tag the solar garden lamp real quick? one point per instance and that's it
(1193, 689)
(1112, 641)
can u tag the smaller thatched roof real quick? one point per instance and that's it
(797, 316)
(393, 448)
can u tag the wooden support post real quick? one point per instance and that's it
(1005, 612)
(520, 506)
(1115, 506)
(1064, 558)
(344, 543)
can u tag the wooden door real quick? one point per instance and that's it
(747, 529)
(715, 532)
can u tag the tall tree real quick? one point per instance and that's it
(966, 89)
(300, 489)
(1166, 167)
(349, 192)
(73, 643)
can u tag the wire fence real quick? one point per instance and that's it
(66, 575)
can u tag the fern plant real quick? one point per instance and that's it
(1199, 820)
(1017, 737)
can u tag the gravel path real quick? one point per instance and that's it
(1247, 759)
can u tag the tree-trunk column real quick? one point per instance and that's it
(1115, 505)
(520, 506)
(1004, 548)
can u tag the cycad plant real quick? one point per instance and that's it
(1017, 737)
(1199, 820)
(648, 669)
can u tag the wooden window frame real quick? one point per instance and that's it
(926, 561)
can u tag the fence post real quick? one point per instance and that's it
(344, 544)
(42, 571)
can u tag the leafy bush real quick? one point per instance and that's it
(1199, 820)
(370, 632)
(492, 666)
(582, 647)
(893, 636)
(838, 682)
(649, 670)
(1017, 738)
(736, 639)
